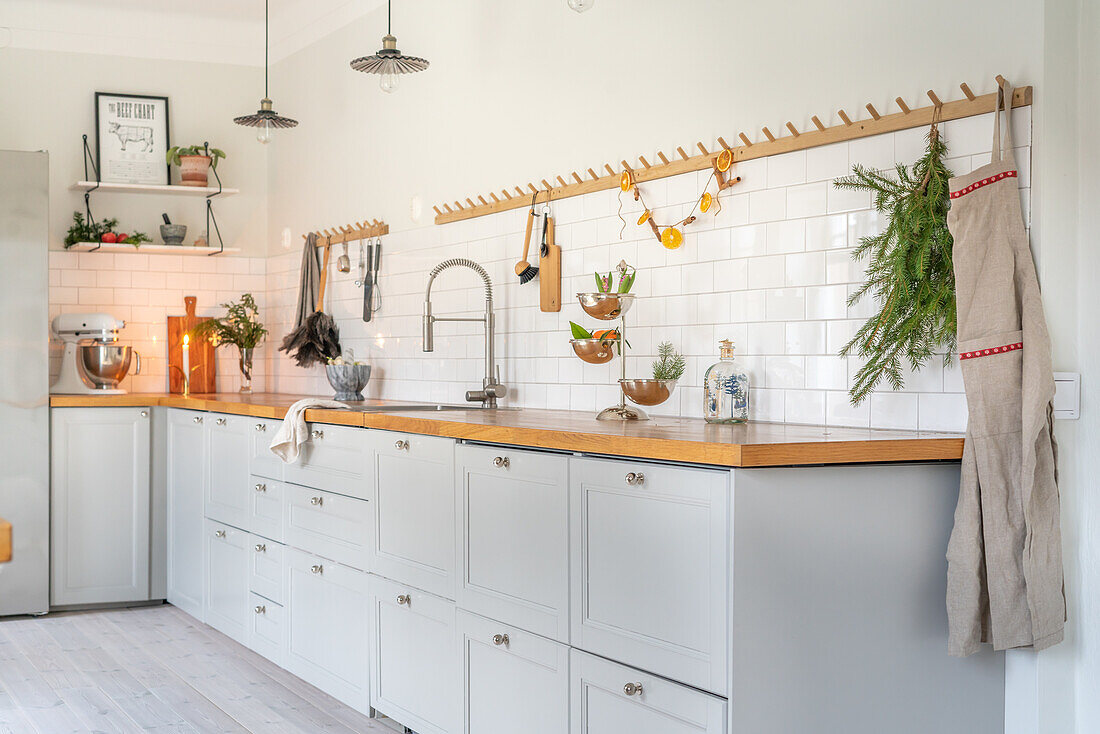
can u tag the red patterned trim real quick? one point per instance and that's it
(983, 182)
(992, 350)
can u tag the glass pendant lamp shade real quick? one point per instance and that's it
(266, 119)
(580, 5)
(389, 63)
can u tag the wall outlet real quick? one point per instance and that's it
(1067, 395)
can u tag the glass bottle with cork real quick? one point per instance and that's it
(726, 388)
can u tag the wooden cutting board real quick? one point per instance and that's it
(204, 378)
(5, 540)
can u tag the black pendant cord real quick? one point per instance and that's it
(266, 21)
(389, 17)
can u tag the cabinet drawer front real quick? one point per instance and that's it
(602, 705)
(267, 629)
(414, 510)
(227, 484)
(650, 567)
(413, 657)
(266, 507)
(267, 569)
(335, 458)
(327, 627)
(225, 601)
(513, 537)
(329, 525)
(261, 461)
(518, 684)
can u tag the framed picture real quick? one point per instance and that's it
(131, 138)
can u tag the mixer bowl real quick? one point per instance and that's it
(106, 364)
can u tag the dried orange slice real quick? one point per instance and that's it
(725, 160)
(645, 217)
(705, 201)
(624, 181)
(672, 238)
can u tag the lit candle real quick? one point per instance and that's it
(186, 363)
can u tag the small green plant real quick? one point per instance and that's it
(604, 283)
(240, 325)
(174, 153)
(669, 364)
(91, 231)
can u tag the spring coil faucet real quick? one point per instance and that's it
(491, 386)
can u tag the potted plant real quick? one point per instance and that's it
(240, 326)
(195, 162)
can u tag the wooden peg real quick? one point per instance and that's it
(768, 135)
(817, 123)
(458, 206)
(377, 222)
(448, 208)
(627, 166)
(723, 143)
(745, 139)
(966, 91)
(1000, 80)
(561, 181)
(593, 175)
(702, 148)
(662, 157)
(532, 187)
(610, 170)
(793, 129)
(576, 178)
(482, 199)
(471, 203)
(519, 191)
(438, 213)
(935, 100)
(547, 184)
(494, 197)
(904, 107)
(873, 111)
(844, 116)
(505, 193)
(680, 150)
(644, 161)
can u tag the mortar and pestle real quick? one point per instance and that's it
(172, 234)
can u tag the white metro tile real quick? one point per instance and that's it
(969, 135)
(785, 304)
(765, 405)
(805, 337)
(784, 372)
(754, 174)
(841, 268)
(875, 152)
(749, 240)
(768, 205)
(731, 275)
(714, 244)
(941, 412)
(827, 373)
(804, 406)
(713, 308)
(839, 411)
(894, 410)
(845, 200)
(766, 272)
(786, 236)
(909, 145)
(827, 233)
(865, 223)
(765, 338)
(827, 302)
(697, 278)
(827, 162)
(805, 268)
(786, 169)
(807, 200)
(747, 306)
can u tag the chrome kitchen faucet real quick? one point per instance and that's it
(491, 386)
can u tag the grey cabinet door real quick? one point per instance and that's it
(186, 449)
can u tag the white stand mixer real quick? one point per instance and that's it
(96, 332)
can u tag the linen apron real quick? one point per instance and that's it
(1004, 573)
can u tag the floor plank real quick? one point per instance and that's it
(152, 669)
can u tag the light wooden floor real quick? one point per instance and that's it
(151, 669)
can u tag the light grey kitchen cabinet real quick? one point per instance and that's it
(100, 505)
(513, 537)
(336, 459)
(186, 469)
(650, 567)
(609, 698)
(413, 673)
(267, 632)
(261, 461)
(227, 478)
(267, 508)
(414, 510)
(327, 627)
(225, 579)
(330, 525)
(512, 680)
(267, 569)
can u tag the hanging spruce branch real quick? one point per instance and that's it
(908, 273)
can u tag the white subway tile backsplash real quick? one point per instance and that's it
(805, 268)
(827, 162)
(804, 406)
(808, 200)
(894, 410)
(785, 372)
(827, 233)
(749, 241)
(805, 337)
(827, 302)
(786, 236)
(786, 169)
(875, 152)
(766, 272)
(785, 304)
(846, 200)
(941, 412)
(767, 205)
(840, 412)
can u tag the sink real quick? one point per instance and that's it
(427, 407)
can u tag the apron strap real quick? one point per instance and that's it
(1002, 151)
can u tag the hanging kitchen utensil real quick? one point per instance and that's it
(525, 270)
(376, 293)
(318, 338)
(368, 284)
(362, 266)
(549, 270)
(343, 263)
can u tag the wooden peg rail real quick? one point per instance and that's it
(849, 129)
(351, 232)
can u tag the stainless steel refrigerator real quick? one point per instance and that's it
(24, 379)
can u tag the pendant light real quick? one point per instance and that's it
(580, 5)
(389, 63)
(265, 119)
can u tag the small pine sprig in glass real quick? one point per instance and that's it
(669, 364)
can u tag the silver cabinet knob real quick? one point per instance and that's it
(401, 445)
(261, 548)
(633, 689)
(220, 421)
(261, 427)
(318, 435)
(197, 419)
(318, 501)
(500, 639)
(404, 599)
(260, 609)
(219, 533)
(260, 487)
(634, 479)
(145, 414)
(317, 569)
(502, 462)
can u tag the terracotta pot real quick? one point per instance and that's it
(194, 170)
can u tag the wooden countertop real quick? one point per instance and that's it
(689, 440)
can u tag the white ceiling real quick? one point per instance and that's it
(223, 31)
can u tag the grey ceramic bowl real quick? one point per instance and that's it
(348, 380)
(173, 234)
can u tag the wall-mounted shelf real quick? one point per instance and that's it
(150, 249)
(125, 188)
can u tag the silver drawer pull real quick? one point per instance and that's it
(145, 414)
(401, 445)
(318, 501)
(318, 435)
(260, 487)
(404, 599)
(261, 548)
(261, 427)
(500, 639)
(633, 689)
(220, 421)
(260, 609)
(635, 479)
(197, 419)
(219, 533)
(317, 569)
(502, 461)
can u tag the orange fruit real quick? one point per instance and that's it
(672, 238)
(705, 201)
(645, 217)
(624, 181)
(725, 160)
(606, 334)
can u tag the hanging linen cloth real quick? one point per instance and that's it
(1004, 574)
